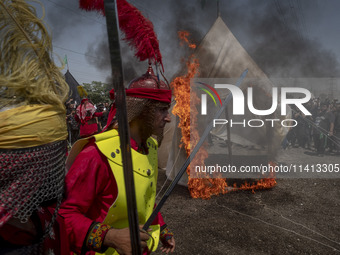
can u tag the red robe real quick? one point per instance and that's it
(90, 191)
(86, 129)
(57, 243)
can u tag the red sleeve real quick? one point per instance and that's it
(98, 114)
(158, 219)
(87, 183)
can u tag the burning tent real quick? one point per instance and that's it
(220, 55)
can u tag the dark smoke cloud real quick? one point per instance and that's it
(281, 46)
(168, 18)
(62, 14)
(272, 32)
(98, 54)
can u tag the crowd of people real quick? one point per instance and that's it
(320, 131)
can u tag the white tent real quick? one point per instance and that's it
(221, 56)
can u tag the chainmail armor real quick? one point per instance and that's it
(135, 107)
(29, 177)
(38, 248)
(146, 109)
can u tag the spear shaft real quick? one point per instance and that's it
(123, 125)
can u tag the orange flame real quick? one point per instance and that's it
(200, 187)
(183, 35)
(265, 183)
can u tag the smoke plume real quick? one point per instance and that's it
(273, 32)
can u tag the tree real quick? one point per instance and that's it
(97, 91)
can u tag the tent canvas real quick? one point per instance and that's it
(221, 56)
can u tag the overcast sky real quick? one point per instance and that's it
(286, 38)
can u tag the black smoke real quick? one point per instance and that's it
(281, 44)
(274, 33)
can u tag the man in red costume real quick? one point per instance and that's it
(95, 209)
(86, 115)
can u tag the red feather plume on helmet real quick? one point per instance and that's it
(138, 30)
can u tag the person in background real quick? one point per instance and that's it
(105, 116)
(73, 127)
(86, 115)
(324, 128)
(100, 120)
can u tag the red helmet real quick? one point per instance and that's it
(148, 80)
(146, 86)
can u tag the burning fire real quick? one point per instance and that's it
(200, 187)
(265, 183)
(183, 35)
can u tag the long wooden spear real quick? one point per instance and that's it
(123, 126)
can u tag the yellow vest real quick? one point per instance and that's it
(145, 174)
